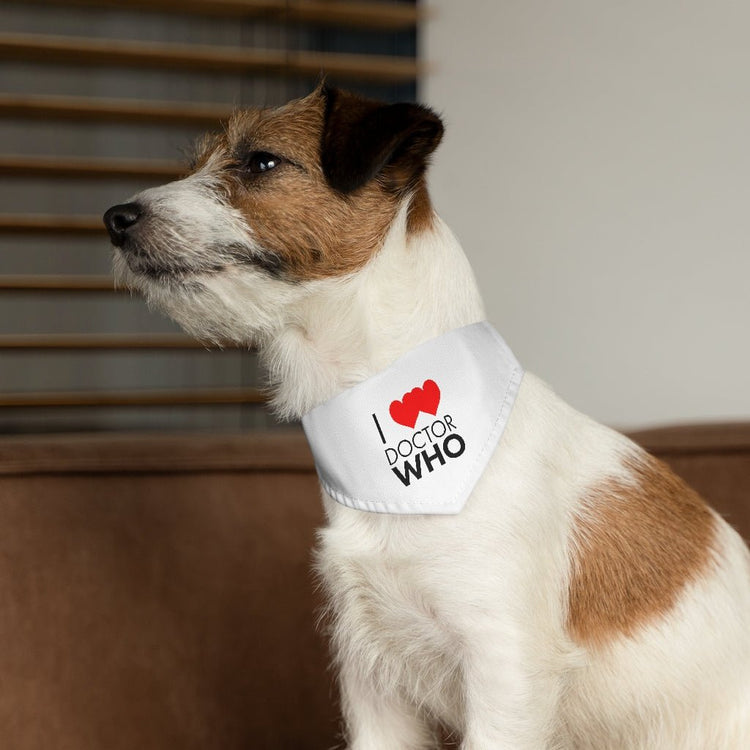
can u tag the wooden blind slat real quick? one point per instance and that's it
(111, 110)
(41, 48)
(51, 224)
(99, 168)
(372, 15)
(53, 283)
(89, 341)
(191, 397)
(367, 15)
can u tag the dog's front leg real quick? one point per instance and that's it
(376, 721)
(511, 701)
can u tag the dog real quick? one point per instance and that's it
(582, 596)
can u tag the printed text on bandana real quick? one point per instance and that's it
(425, 449)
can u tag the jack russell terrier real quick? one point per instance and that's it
(496, 563)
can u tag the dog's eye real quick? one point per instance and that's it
(261, 161)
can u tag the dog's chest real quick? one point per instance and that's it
(389, 617)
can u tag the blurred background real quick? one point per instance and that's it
(595, 168)
(98, 100)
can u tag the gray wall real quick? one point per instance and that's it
(597, 169)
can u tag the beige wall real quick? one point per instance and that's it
(597, 170)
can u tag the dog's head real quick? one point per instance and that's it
(282, 197)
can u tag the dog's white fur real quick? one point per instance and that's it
(463, 618)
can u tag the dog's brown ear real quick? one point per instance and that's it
(363, 138)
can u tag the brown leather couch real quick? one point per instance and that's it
(156, 590)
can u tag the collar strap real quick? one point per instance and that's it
(416, 437)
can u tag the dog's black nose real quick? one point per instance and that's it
(119, 219)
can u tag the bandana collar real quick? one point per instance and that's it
(416, 437)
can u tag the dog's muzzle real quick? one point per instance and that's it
(120, 220)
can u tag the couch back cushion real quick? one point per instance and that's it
(157, 593)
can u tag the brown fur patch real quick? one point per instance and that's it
(315, 231)
(310, 229)
(421, 214)
(636, 547)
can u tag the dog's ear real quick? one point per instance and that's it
(363, 138)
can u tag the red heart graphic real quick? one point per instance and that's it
(424, 399)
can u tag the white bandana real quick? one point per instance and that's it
(416, 437)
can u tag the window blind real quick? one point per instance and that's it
(99, 100)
